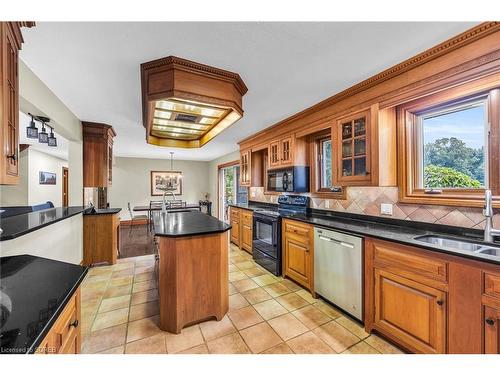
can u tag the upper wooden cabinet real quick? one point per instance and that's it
(10, 44)
(245, 168)
(287, 151)
(97, 154)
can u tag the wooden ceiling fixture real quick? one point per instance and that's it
(186, 104)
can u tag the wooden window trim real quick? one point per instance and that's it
(315, 169)
(407, 148)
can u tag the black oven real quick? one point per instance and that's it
(267, 242)
(293, 179)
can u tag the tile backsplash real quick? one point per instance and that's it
(367, 201)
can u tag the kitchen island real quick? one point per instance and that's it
(191, 268)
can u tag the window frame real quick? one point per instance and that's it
(315, 142)
(409, 144)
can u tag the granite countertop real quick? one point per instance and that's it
(16, 226)
(33, 293)
(192, 223)
(401, 231)
(102, 211)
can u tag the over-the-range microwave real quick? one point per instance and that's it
(289, 180)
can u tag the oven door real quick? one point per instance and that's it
(265, 235)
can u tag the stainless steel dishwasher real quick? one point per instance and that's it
(338, 270)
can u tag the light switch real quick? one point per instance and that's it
(386, 209)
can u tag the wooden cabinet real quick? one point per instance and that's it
(65, 335)
(245, 168)
(287, 151)
(97, 154)
(234, 219)
(491, 330)
(298, 248)
(10, 44)
(101, 238)
(246, 230)
(413, 312)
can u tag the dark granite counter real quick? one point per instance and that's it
(400, 231)
(16, 226)
(102, 211)
(181, 224)
(33, 293)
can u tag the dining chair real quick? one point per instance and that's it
(153, 205)
(134, 218)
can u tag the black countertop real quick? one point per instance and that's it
(16, 226)
(401, 231)
(33, 292)
(101, 211)
(181, 224)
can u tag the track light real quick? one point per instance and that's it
(32, 130)
(43, 137)
(52, 141)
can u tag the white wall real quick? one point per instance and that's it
(131, 181)
(42, 162)
(36, 97)
(213, 176)
(17, 195)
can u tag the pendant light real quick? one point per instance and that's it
(43, 137)
(173, 178)
(52, 141)
(32, 130)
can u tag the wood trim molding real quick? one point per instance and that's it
(228, 164)
(219, 167)
(480, 31)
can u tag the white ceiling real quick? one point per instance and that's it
(94, 67)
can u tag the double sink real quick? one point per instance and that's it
(462, 245)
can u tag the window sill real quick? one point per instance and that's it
(330, 195)
(471, 200)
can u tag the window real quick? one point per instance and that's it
(449, 148)
(321, 170)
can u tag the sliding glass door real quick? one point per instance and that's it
(230, 190)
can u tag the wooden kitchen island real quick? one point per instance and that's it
(191, 267)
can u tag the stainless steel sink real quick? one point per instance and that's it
(457, 244)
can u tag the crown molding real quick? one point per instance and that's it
(458, 41)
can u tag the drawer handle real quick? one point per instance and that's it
(440, 302)
(490, 322)
(74, 324)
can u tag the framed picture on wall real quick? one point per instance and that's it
(162, 181)
(47, 178)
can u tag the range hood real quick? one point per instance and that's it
(186, 104)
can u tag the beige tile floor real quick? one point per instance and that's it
(267, 314)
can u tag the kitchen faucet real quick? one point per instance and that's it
(489, 231)
(164, 204)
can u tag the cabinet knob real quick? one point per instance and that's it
(74, 324)
(490, 322)
(440, 302)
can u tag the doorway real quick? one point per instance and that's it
(229, 189)
(65, 197)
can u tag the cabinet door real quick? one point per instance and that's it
(286, 151)
(274, 154)
(410, 312)
(235, 225)
(9, 107)
(245, 168)
(352, 137)
(246, 231)
(297, 261)
(110, 163)
(491, 330)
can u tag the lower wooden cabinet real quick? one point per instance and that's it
(234, 219)
(297, 252)
(101, 238)
(413, 312)
(65, 335)
(246, 230)
(491, 330)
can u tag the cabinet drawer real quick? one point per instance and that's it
(300, 232)
(492, 285)
(234, 214)
(66, 327)
(397, 260)
(246, 218)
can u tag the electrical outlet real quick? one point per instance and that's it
(386, 209)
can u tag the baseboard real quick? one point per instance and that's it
(128, 223)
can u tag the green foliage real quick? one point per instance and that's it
(444, 177)
(453, 153)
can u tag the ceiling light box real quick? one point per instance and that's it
(186, 104)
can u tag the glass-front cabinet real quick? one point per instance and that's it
(352, 160)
